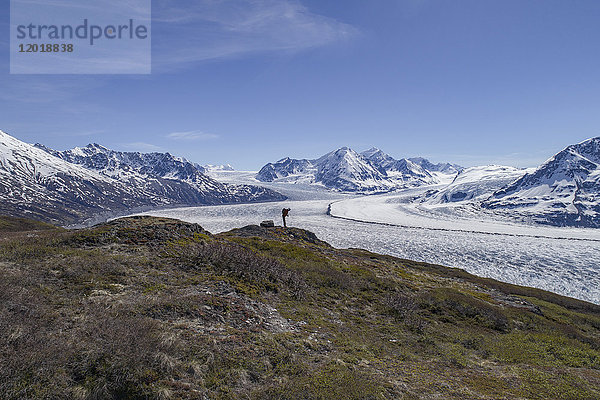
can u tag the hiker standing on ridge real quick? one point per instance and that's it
(284, 214)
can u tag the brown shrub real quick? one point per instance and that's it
(240, 262)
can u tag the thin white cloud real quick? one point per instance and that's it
(192, 135)
(186, 31)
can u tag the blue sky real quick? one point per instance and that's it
(251, 81)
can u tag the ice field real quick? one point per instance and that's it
(399, 209)
(565, 261)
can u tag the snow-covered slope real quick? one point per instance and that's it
(342, 169)
(477, 183)
(132, 165)
(64, 187)
(346, 170)
(36, 184)
(379, 158)
(403, 172)
(288, 170)
(565, 190)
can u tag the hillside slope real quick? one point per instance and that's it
(149, 307)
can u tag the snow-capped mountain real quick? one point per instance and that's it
(405, 172)
(476, 183)
(565, 190)
(64, 187)
(288, 170)
(125, 165)
(346, 170)
(36, 184)
(170, 176)
(342, 169)
(379, 158)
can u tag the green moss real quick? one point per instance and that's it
(14, 224)
(543, 349)
(452, 304)
(490, 386)
(150, 289)
(539, 384)
(333, 381)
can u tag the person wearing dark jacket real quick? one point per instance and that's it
(284, 214)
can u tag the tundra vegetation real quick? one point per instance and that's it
(155, 308)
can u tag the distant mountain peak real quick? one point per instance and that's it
(372, 152)
(97, 146)
(341, 152)
(212, 168)
(590, 141)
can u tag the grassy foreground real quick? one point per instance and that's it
(145, 308)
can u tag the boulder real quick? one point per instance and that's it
(267, 223)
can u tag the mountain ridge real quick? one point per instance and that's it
(348, 171)
(564, 190)
(70, 186)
